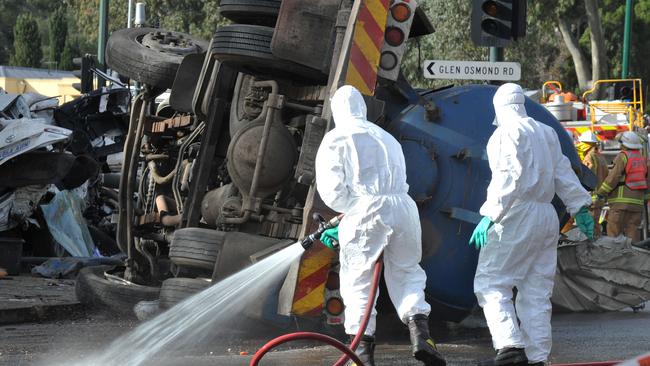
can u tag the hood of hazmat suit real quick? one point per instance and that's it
(528, 170)
(360, 171)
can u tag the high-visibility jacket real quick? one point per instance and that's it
(636, 170)
(617, 192)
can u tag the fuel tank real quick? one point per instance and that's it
(444, 134)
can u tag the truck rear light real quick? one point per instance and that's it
(334, 306)
(388, 61)
(333, 281)
(394, 36)
(400, 12)
(398, 26)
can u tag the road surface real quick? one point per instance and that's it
(577, 338)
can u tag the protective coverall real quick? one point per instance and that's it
(528, 169)
(360, 171)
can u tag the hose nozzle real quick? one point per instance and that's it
(308, 241)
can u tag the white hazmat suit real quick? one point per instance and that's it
(360, 171)
(528, 169)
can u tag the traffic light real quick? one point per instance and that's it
(495, 23)
(86, 64)
(398, 26)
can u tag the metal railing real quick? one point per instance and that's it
(632, 109)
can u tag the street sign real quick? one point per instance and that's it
(472, 70)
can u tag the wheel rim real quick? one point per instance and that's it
(169, 42)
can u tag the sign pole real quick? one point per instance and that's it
(626, 39)
(102, 38)
(496, 54)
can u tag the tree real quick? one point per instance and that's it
(575, 27)
(540, 52)
(70, 51)
(27, 42)
(58, 26)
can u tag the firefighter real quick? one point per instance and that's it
(361, 172)
(625, 188)
(587, 149)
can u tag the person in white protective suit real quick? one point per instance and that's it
(360, 172)
(519, 232)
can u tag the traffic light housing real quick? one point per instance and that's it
(85, 65)
(496, 23)
(398, 26)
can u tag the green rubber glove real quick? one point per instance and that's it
(585, 222)
(479, 236)
(330, 238)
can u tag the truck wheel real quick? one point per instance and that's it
(175, 290)
(258, 12)
(196, 248)
(247, 48)
(97, 291)
(150, 56)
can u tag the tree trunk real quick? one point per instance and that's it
(598, 58)
(579, 59)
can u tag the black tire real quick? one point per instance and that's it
(96, 291)
(196, 248)
(247, 48)
(142, 55)
(258, 12)
(175, 290)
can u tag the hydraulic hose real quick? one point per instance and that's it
(348, 352)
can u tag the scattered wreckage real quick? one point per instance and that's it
(52, 159)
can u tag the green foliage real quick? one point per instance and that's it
(58, 27)
(70, 51)
(27, 42)
(542, 52)
(197, 17)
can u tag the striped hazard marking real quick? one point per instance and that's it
(310, 290)
(578, 130)
(366, 46)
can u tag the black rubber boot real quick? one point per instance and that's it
(424, 348)
(365, 351)
(508, 357)
(537, 364)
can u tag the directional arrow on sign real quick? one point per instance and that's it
(430, 68)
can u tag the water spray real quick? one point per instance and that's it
(348, 351)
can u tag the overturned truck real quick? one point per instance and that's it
(224, 174)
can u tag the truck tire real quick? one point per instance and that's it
(150, 56)
(175, 290)
(247, 48)
(196, 248)
(258, 12)
(95, 290)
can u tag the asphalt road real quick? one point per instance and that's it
(577, 338)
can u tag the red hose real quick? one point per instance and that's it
(348, 352)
